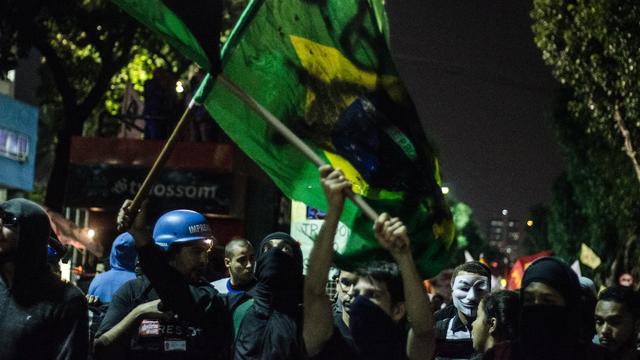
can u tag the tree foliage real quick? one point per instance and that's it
(467, 235)
(83, 44)
(593, 48)
(90, 51)
(567, 225)
(536, 235)
(598, 200)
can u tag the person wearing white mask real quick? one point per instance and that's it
(470, 282)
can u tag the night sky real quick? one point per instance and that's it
(484, 95)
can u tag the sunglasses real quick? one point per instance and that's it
(8, 219)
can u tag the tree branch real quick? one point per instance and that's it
(109, 67)
(55, 64)
(628, 142)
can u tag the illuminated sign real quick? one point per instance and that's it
(14, 145)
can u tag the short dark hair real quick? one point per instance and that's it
(473, 267)
(388, 273)
(228, 249)
(622, 295)
(504, 306)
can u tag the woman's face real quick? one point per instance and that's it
(480, 330)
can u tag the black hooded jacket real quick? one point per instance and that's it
(550, 332)
(271, 327)
(40, 316)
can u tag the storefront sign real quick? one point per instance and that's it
(108, 186)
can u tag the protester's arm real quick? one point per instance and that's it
(192, 303)
(71, 333)
(318, 322)
(392, 235)
(135, 225)
(112, 344)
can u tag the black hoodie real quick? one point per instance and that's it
(270, 330)
(40, 316)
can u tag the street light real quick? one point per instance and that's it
(445, 190)
(529, 223)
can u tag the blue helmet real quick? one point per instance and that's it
(181, 226)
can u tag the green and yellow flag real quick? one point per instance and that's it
(192, 27)
(325, 70)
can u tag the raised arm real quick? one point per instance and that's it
(192, 303)
(318, 322)
(391, 233)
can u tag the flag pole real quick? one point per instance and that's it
(162, 158)
(291, 137)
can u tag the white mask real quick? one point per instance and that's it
(467, 291)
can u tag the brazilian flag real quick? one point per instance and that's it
(324, 69)
(192, 27)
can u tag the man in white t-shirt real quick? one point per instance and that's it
(239, 259)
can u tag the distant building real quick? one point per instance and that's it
(18, 138)
(505, 234)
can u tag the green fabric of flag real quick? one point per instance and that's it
(312, 63)
(192, 27)
(306, 62)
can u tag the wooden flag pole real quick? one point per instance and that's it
(291, 137)
(162, 158)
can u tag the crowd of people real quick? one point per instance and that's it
(154, 303)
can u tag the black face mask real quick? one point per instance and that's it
(279, 280)
(547, 332)
(375, 334)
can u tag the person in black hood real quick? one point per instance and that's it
(41, 317)
(550, 316)
(270, 328)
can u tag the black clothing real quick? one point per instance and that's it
(551, 331)
(40, 316)
(156, 339)
(447, 313)
(375, 334)
(340, 345)
(199, 305)
(271, 329)
(547, 330)
(453, 338)
(514, 351)
(341, 328)
(555, 273)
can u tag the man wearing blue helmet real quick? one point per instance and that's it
(137, 327)
(266, 319)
